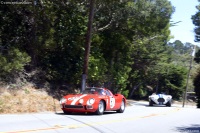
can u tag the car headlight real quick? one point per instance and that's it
(90, 101)
(63, 100)
(168, 98)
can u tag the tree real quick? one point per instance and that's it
(197, 57)
(63, 57)
(195, 19)
(197, 88)
(172, 80)
(149, 40)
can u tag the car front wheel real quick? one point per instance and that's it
(169, 103)
(151, 103)
(122, 107)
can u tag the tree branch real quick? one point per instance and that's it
(106, 26)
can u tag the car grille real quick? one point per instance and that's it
(74, 106)
(161, 100)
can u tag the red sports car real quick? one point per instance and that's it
(93, 99)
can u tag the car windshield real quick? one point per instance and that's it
(158, 93)
(93, 91)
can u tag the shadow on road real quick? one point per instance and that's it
(195, 128)
(88, 114)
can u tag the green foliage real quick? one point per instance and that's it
(125, 93)
(11, 63)
(197, 57)
(26, 91)
(181, 56)
(97, 70)
(172, 80)
(195, 19)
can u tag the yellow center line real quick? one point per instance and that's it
(93, 123)
(34, 130)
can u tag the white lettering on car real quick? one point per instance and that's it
(112, 102)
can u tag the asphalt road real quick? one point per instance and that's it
(138, 118)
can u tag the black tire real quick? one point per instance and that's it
(169, 103)
(122, 107)
(66, 112)
(101, 108)
(151, 103)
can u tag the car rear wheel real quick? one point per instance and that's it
(122, 107)
(101, 108)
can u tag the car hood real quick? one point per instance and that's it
(81, 98)
(73, 96)
(160, 96)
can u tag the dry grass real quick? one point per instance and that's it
(26, 100)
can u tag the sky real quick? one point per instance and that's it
(184, 31)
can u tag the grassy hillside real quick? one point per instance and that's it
(27, 100)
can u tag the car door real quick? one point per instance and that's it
(111, 101)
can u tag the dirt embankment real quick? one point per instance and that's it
(26, 100)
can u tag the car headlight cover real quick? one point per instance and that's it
(168, 98)
(91, 101)
(63, 100)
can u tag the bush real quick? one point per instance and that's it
(11, 63)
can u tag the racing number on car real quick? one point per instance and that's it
(112, 102)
